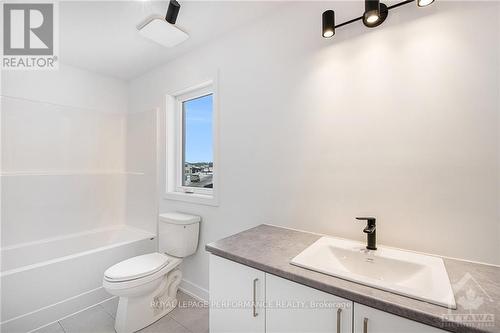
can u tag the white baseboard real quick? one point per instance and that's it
(194, 290)
(54, 312)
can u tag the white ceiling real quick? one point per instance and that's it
(102, 36)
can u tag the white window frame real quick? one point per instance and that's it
(174, 146)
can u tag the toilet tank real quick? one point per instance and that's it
(178, 234)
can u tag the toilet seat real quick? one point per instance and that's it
(136, 267)
(144, 278)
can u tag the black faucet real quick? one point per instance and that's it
(370, 231)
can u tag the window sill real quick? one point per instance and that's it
(195, 198)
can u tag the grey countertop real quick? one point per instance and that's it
(270, 249)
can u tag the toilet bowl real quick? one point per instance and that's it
(147, 284)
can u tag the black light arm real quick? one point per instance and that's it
(360, 18)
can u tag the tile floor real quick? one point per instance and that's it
(189, 317)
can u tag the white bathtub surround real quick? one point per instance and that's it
(72, 152)
(69, 86)
(141, 201)
(46, 280)
(63, 153)
(70, 186)
(147, 285)
(40, 206)
(399, 122)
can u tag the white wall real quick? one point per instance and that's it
(399, 122)
(63, 153)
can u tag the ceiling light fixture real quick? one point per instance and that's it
(424, 3)
(328, 23)
(374, 15)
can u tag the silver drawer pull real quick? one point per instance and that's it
(339, 314)
(365, 325)
(255, 314)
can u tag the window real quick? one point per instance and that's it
(197, 142)
(191, 145)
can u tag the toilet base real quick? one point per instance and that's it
(135, 313)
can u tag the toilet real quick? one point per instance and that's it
(147, 284)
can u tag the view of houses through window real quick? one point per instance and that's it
(197, 152)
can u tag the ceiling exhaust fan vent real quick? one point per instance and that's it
(163, 30)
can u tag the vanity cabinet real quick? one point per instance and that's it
(237, 294)
(246, 300)
(370, 320)
(294, 308)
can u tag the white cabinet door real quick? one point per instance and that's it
(369, 320)
(292, 307)
(237, 295)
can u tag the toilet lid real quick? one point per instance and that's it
(137, 267)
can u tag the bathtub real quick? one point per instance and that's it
(47, 280)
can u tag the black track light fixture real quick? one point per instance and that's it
(328, 24)
(172, 11)
(374, 15)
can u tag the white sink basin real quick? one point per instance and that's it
(402, 272)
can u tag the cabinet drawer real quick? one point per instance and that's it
(294, 308)
(370, 320)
